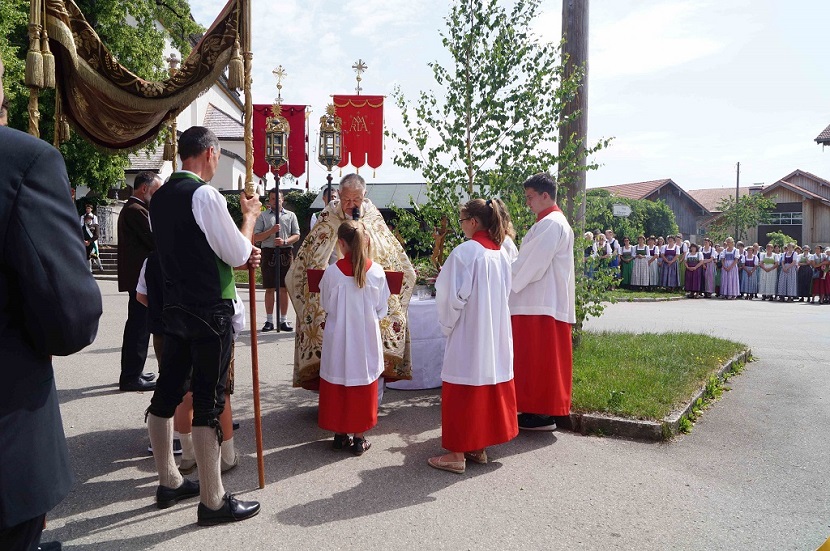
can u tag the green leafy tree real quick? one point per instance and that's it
(780, 238)
(748, 212)
(495, 121)
(646, 218)
(137, 46)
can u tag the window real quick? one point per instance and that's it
(785, 219)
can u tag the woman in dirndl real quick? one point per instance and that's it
(804, 276)
(768, 275)
(640, 271)
(749, 274)
(730, 282)
(788, 278)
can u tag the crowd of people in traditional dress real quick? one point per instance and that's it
(726, 270)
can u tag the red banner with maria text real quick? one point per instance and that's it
(296, 140)
(362, 129)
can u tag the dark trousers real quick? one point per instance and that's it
(136, 339)
(22, 537)
(202, 338)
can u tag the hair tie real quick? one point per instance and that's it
(490, 203)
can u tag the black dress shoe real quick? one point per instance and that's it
(167, 497)
(267, 327)
(136, 385)
(285, 326)
(232, 510)
(147, 376)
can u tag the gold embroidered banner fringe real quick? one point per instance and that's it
(110, 106)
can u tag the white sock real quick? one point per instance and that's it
(161, 438)
(269, 318)
(206, 446)
(186, 439)
(282, 318)
(227, 450)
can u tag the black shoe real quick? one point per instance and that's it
(136, 385)
(147, 376)
(531, 421)
(342, 442)
(267, 327)
(360, 445)
(167, 497)
(285, 326)
(232, 510)
(235, 425)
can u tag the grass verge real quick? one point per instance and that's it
(644, 376)
(241, 276)
(623, 295)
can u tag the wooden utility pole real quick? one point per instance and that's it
(737, 203)
(575, 34)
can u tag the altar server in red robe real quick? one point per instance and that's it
(542, 309)
(355, 295)
(478, 401)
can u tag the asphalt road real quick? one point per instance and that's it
(751, 475)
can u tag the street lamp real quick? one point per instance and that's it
(330, 147)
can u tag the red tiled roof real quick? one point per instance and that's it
(223, 125)
(711, 198)
(824, 137)
(637, 190)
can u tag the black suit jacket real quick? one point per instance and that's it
(49, 305)
(135, 242)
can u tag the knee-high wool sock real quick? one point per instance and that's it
(186, 439)
(161, 438)
(206, 447)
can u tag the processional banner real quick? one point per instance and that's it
(296, 115)
(362, 130)
(112, 107)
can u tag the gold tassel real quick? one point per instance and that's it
(236, 68)
(66, 132)
(168, 149)
(34, 61)
(48, 61)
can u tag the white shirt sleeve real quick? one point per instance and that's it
(141, 287)
(211, 213)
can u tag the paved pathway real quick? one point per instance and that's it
(752, 474)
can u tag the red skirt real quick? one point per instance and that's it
(474, 417)
(347, 409)
(542, 365)
(820, 287)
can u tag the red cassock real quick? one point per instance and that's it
(542, 365)
(475, 417)
(347, 409)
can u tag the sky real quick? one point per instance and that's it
(687, 89)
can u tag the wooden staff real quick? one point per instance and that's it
(249, 191)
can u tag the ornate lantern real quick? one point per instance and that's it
(330, 138)
(277, 129)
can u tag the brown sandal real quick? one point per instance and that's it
(479, 457)
(456, 467)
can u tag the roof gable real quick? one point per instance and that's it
(223, 125)
(824, 137)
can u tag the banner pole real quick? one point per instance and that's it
(249, 191)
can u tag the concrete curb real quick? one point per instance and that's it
(638, 429)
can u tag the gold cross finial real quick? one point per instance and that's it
(359, 67)
(279, 73)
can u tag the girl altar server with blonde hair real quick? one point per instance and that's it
(354, 294)
(478, 399)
